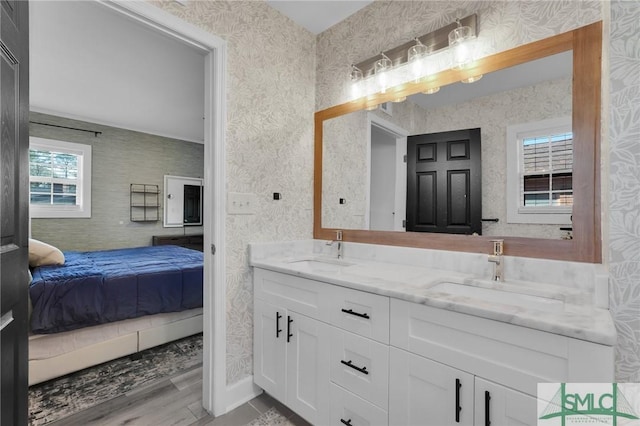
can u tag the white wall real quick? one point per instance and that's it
(111, 71)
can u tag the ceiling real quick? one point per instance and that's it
(318, 15)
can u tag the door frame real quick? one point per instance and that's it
(401, 170)
(214, 392)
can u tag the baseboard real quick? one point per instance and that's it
(240, 392)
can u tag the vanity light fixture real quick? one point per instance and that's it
(415, 60)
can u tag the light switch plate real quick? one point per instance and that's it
(241, 203)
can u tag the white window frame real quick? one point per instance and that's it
(82, 209)
(516, 212)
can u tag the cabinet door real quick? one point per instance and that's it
(425, 392)
(269, 348)
(497, 405)
(308, 367)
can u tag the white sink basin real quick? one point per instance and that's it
(320, 264)
(499, 296)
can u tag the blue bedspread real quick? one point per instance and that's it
(104, 286)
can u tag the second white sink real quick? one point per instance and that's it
(499, 296)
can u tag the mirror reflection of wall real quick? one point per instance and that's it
(508, 102)
(183, 201)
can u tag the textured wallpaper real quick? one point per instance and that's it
(119, 158)
(624, 185)
(344, 164)
(270, 106)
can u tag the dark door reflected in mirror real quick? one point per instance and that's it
(193, 205)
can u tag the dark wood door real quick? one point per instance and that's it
(14, 213)
(444, 182)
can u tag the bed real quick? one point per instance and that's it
(102, 305)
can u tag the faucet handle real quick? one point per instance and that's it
(498, 247)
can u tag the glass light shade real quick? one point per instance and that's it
(357, 85)
(382, 68)
(461, 48)
(399, 99)
(431, 91)
(415, 58)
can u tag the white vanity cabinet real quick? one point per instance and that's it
(314, 341)
(497, 364)
(341, 356)
(291, 349)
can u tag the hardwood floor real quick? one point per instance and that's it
(173, 401)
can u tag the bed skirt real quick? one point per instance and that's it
(54, 355)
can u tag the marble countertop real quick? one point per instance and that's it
(551, 308)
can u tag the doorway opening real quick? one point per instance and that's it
(214, 51)
(386, 194)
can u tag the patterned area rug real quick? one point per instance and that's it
(69, 394)
(272, 417)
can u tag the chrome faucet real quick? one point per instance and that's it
(339, 241)
(496, 259)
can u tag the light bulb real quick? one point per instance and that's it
(382, 68)
(357, 88)
(416, 58)
(460, 45)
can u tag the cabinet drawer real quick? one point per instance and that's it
(307, 297)
(349, 409)
(362, 313)
(361, 366)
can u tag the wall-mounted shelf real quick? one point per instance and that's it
(144, 202)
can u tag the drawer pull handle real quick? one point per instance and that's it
(363, 370)
(458, 407)
(487, 415)
(350, 312)
(289, 321)
(278, 329)
(346, 422)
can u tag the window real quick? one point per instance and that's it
(539, 172)
(59, 179)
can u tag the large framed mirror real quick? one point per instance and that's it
(345, 164)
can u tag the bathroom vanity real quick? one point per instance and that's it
(401, 336)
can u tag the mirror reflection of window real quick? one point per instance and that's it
(540, 172)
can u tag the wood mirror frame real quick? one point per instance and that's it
(586, 43)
